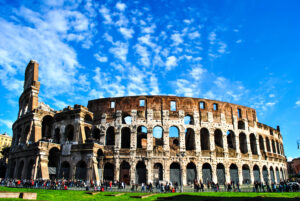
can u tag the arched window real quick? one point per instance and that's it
(96, 134)
(110, 136)
(175, 174)
(53, 160)
(241, 125)
(174, 137)
(261, 144)
(65, 170)
(256, 173)
(125, 138)
(69, 132)
(273, 147)
(87, 131)
(157, 172)
(243, 143)
(140, 173)
(188, 120)
(158, 135)
(218, 138)
(191, 173)
(268, 144)
(190, 139)
(221, 174)
(126, 119)
(231, 140)
(204, 135)
(124, 172)
(57, 136)
(81, 170)
(109, 170)
(47, 124)
(246, 174)
(206, 173)
(253, 144)
(88, 118)
(142, 137)
(234, 175)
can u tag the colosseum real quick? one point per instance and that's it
(140, 139)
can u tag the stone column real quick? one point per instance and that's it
(183, 173)
(166, 171)
(240, 171)
(149, 139)
(182, 141)
(199, 172)
(149, 166)
(251, 173)
(214, 173)
(197, 140)
(225, 144)
(117, 169)
(212, 143)
(37, 158)
(37, 128)
(227, 174)
(166, 139)
(44, 165)
(248, 145)
(132, 171)
(133, 138)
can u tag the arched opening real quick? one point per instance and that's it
(100, 157)
(272, 174)
(256, 173)
(47, 124)
(234, 173)
(158, 136)
(96, 134)
(261, 144)
(69, 133)
(190, 139)
(125, 138)
(277, 146)
(253, 144)
(175, 173)
(273, 147)
(243, 143)
(27, 130)
(110, 136)
(281, 173)
(88, 119)
(65, 170)
(126, 119)
(20, 170)
(174, 137)
(12, 170)
(231, 140)
(206, 173)
(218, 138)
(81, 170)
(191, 173)
(265, 175)
(241, 125)
(53, 161)
(246, 174)
(188, 120)
(87, 132)
(57, 136)
(124, 172)
(142, 137)
(157, 172)
(109, 172)
(221, 174)
(268, 145)
(30, 169)
(277, 175)
(140, 173)
(204, 138)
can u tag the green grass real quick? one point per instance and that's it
(61, 195)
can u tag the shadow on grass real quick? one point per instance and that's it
(204, 198)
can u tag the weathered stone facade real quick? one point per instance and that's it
(143, 139)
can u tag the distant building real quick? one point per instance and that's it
(5, 141)
(294, 166)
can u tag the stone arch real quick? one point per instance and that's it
(256, 173)
(20, 170)
(246, 174)
(261, 144)
(204, 138)
(190, 139)
(96, 134)
(265, 174)
(30, 169)
(12, 169)
(234, 173)
(88, 119)
(189, 119)
(175, 173)
(125, 138)
(100, 157)
(243, 143)
(81, 170)
(47, 124)
(110, 136)
(126, 119)
(231, 140)
(174, 137)
(273, 147)
(220, 174)
(69, 133)
(125, 172)
(191, 173)
(53, 161)
(57, 135)
(206, 173)
(272, 174)
(277, 175)
(141, 173)
(241, 125)
(157, 172)
(218, 138)
(109, 172)
(268, 144)
(277, 146)
(65, 170)
(158, 136)
(253, 144)
(281, 172)
(142, 137)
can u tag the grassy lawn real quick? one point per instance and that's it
(209, 196)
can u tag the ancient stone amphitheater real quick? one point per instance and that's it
(143, 139)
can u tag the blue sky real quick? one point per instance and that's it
(244, 52)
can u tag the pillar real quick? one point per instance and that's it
(166, 139)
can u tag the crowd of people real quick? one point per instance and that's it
(64, 184)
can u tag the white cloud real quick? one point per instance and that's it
(271, 95)
(177, 39)
(105, 12)
(212, 37)
(142, 51)
(270, 104)
(127, 33)
(100, 58)
(171, 62)
(149, 29)
(121, 6)
(194, 35)
(120, 50)
(154, 85)
(239, 41)
(197, 72)
(298, 103)
(7, 123)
